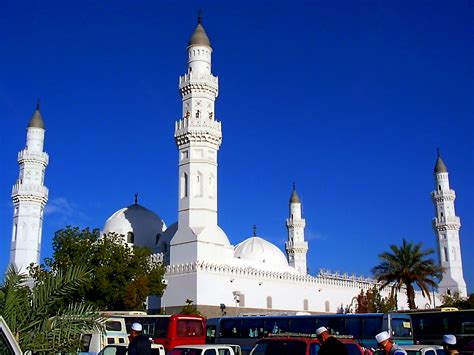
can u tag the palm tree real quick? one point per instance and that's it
(405, 266)
(42, 318)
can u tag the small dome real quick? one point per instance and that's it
(137, 224)
(262, 254)
(199, 37)
(36, 121)
(294, 198)
(440, 167)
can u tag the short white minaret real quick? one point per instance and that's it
(446, 226)
(296, 246)
(29, 197)
(198, 136)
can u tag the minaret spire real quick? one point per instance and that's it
(296, 247)
(29, 196)
(198, 136)
(446, 226)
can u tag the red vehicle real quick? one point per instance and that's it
(169, 330)
(299, 345)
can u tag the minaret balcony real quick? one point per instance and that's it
(34, 157)
(451, 223)
(441, 196)
(205, 83)
(195, 78)
(36, 190)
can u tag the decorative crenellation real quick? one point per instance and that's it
(189, 130)
(34, 193)
(28, 156)
(204, 84)
(324, 278)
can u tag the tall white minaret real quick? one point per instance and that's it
(446, 226)
(198, 136)
(296, 246)
(29, 197)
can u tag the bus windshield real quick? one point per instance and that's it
(401, 328)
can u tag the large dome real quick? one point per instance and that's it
(261, 254)
(137, 224)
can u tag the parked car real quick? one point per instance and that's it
(217, 349)
(8, 344)
(118, 349)
(299, 345)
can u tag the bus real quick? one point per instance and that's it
(430, 326)
(168, 330)
(246, 330)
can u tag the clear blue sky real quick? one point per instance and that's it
(349, 99)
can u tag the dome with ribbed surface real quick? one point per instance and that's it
(36, 121)
(199, 37)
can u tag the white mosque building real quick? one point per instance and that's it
(253, 276)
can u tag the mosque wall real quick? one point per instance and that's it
(247, 290)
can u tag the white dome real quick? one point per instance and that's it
(262, 254)
(138, 224)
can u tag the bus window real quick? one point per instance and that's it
(210, 334)
(252, 328)
(371, 327)
(276, 326)
(230, 328)
(189, 327)
(337, 325)
(401, 328)
(303, 325)
(353, 327)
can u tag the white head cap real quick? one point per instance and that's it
(137, 327)
(449, 339)
(321, 330)
(382, 336)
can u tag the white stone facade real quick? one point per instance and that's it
(29, 196)
(446, 226)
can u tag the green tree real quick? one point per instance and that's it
(407, 266)
(373, 302)
(122, 277)
(43, 318)
(458, 301)
(190, 308)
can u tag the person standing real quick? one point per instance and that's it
(385, 342)
(449, 344)
(139, 343)
(329, 344)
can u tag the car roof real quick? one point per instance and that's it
(206, 346)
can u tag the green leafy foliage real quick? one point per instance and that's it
(190, 308)
(373, 302)
(405, 266)
(121, 277)
(458, 301)
(44, 318)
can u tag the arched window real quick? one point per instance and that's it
(130, 237)
(326, 306)
(157, 238)
(305, 304)
(269, 302)
(445, 250)
(184, 185)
